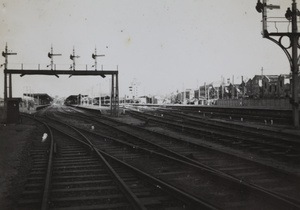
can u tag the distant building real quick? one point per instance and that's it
(38, 98)
(203, 91)
(189, 96)
(242, 89)
(269, 86)
(145, 100)
(208, 91)
(133, 91)
(284, 85)
(254, 87)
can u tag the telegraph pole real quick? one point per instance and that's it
(276, 37)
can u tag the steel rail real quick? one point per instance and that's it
(175, 155)
(125, 189)
(202, 130)
(238, 180)
(171, 189)
(252, 114)
(232, 126)
(45, 199)
(226, 176)
(230, 177)
(193, 201)
(274, 194)
(49, 172)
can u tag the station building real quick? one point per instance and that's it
(37, 98)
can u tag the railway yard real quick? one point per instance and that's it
(150, 157)
(177, 122)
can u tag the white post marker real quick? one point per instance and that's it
(44, 137)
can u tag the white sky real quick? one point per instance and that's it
(165, 44)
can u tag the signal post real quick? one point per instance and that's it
(276, 37)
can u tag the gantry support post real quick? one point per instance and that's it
(10, 86)
(291, 16)
(5, 86)
(112, 96)
(117, 94)
(5, 74)
(295, 68)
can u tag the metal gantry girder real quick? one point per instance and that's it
(72, 72)
(113, 73)
(24, 72)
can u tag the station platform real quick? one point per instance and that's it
(31, 110)
(105, 110)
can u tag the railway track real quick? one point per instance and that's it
(255, 115)
(114, 152)
(247, 170)
(258, 141)
(198, 119)
(32, 195)
(79, 181)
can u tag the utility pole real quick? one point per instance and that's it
(276, 37)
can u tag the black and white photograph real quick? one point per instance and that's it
(149, 104)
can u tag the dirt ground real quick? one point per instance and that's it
(15, 142)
